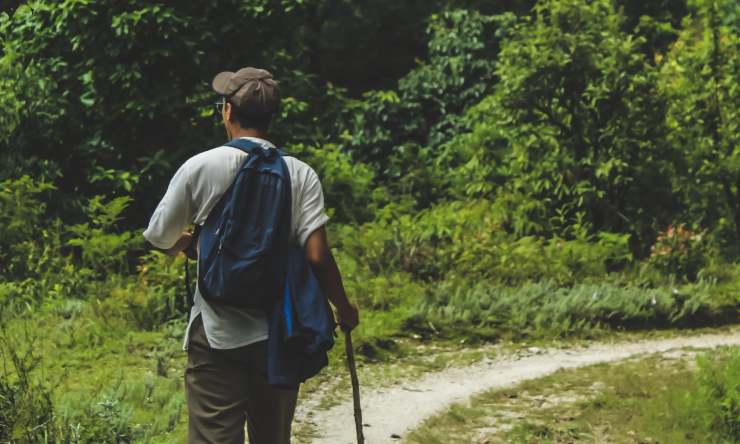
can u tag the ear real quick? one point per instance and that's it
(227, 111)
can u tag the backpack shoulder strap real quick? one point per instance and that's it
(245, 145)
(251, 147)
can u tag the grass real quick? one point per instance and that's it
(105, 373)
(101, 370)
(643, 400)
(112, 371)
(415, 358)
(545, 310)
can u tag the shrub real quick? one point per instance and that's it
(425, 109)
(467, 240)
(348, 184)
(101, 249)
(571, 124)
(142, 307)
(678, 251)
(14, 297)
(147, 301)
(21, 213)
(25, 295)
(159, 294)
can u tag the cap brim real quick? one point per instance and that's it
(221, 81)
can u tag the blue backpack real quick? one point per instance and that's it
(243, 245)
(301, 327)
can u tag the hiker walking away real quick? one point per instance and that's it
(226, 377)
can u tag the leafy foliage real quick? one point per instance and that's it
(701, 75)
(21, 214)
(679, 251)
(102, 250)
(469, 240)
(349, 191)
(398, 131)
(511, 168)
(570, 129)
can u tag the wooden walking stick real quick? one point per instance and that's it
(355, 385)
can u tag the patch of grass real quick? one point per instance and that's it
(661, 398)
(546, 310)
(110, 359)
(107, 381)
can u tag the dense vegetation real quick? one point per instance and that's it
(492, 169)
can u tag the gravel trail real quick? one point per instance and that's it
(390, 413)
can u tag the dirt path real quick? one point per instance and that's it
(391, 412)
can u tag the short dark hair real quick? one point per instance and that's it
(250, 119)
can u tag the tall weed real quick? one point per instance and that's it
(26, 410)
(718, 395)
(546, 309)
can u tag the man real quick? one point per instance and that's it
(225, 378)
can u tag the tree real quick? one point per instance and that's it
(400, 132)
(116, 94)
(701, 74)
(574, 127)
(657, 21)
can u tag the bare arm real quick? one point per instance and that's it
(327, 273)
(181, 244)
(168, 227)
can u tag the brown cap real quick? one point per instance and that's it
(250, 89)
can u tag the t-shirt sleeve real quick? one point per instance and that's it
(311, 213)
(173, 213)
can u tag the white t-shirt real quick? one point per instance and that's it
(193, 191)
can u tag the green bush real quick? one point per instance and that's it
(102, 249)
(25, 295)
(570, 128)
(680, 252)
(22, 211)
(392, 130)
(147, 301)
(349, 192)
(140, 307)
(699, 74)
(466, 239)
(159, 294)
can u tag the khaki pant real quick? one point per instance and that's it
(225, 388)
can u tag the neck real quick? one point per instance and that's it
(247, 132)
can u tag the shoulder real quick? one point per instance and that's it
(299, 170)
(214, 156)
(215, 161)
